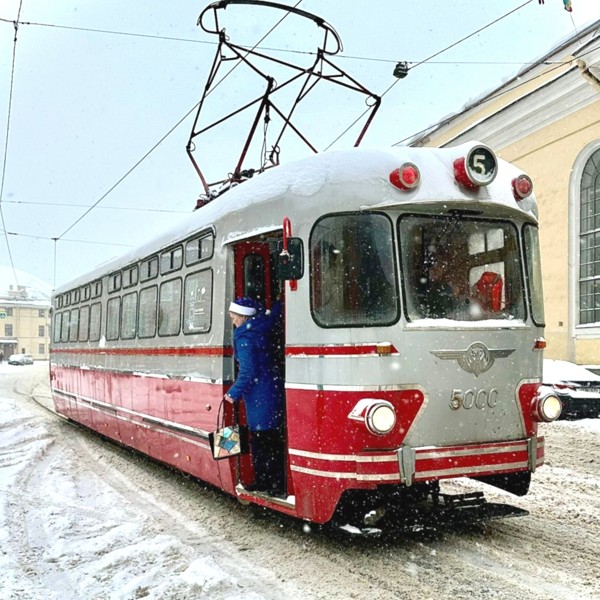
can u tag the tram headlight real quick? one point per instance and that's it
(379, 416)
(548, 408)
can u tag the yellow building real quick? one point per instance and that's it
(547, 121)
(24, 325)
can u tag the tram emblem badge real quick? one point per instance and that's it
(476, 359)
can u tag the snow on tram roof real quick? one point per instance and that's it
(307, 176)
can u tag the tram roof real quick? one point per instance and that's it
(358, 168)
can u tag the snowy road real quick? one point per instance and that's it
(81, 518)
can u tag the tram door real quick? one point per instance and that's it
(253, 272)
(254, 278)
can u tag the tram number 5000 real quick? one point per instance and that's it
(474, 398)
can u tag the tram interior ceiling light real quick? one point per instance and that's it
(477, 169)
(522, 187)
(406, 177)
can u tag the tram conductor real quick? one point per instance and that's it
(260, 384)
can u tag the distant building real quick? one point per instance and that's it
(546, 120)
(24, 324)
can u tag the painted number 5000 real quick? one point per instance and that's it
(474, 398)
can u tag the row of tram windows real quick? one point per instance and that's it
(164, 309)
(139, 303)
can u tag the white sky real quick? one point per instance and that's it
(87, 106)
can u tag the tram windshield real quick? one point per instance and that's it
(461, 269)
(353, 271)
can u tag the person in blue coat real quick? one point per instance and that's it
(260, 384)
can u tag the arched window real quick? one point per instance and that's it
(589, 242)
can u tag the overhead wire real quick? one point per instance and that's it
(95, 205)
(8, 119)
(491, 96)
(128, 172)
(163, 138)
(258, 47)
(428, 59)
(42, 237)
(112, 32)
(69, 205)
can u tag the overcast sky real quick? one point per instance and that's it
(88, 105)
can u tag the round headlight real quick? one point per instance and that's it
(380, 418)
(549, 408)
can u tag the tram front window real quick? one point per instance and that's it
(461, 269)
(353, 281)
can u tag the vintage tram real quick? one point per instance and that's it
(413, 329)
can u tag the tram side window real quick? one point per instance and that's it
(171, 260)
(169, 308)
(96, 289)
(461, 269)
(114, 282)
(534, 272)
(128, 316)
(64, 330)
(57, 327)
(147, 312)
(199, 249)
(353, 273)
(74, 325)
(130, 276)
(95, 321)
(149, 269)
(112, 318)
(197, 303)
(84, 323)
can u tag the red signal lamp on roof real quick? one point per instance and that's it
(522, 187)
(477, 169)
(406, 177)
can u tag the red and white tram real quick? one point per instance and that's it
(394, 381)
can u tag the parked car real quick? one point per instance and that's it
(577, 387)
(20, 359)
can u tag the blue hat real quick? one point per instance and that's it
(244, 306)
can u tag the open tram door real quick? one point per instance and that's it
(255, 277)
(253, 272)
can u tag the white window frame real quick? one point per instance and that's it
(590, 330)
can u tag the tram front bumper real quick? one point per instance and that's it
(409, 465)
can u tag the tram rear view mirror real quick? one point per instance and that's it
(290, 261)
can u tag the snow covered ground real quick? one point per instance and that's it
(81, 518)
(72, 527)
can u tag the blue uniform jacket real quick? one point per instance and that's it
(259, 380)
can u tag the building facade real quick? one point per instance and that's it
(24, 325)
(546, 120)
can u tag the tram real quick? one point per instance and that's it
(413, 318)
